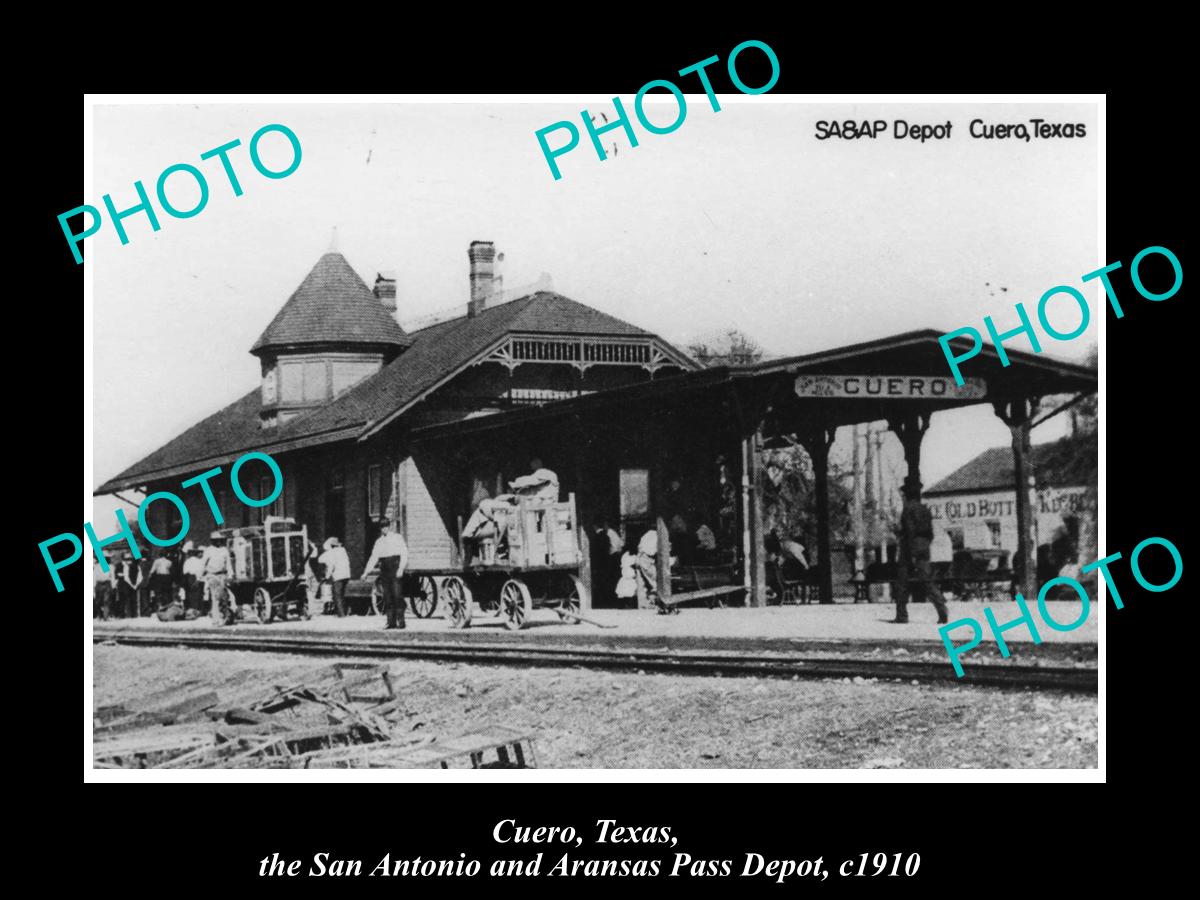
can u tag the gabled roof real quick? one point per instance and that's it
(332, 305)
(1069, 462)
(436, 355)
(551, 313)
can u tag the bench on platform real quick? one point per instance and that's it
(710, 583)
(800, 591)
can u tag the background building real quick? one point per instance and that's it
(974, 508)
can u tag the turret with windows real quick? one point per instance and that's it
(333, 332)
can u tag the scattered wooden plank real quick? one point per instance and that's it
(131, 721)
(564, 613)
(357, 733)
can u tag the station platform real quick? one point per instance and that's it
(838, 629)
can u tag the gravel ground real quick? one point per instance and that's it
(591, 719)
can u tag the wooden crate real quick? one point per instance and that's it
(543, 534)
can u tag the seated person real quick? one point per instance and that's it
(646, 569)
(490, 518)
(542, 484)
(172, 612)
(794, 563)
(682, 543)
(627, 585)
(706, 547)
(490, 521)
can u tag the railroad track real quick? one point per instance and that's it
(679, 662)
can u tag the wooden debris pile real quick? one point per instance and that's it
(333, 720)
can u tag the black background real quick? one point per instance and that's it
(969, 835)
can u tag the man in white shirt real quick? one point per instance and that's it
(390, 552)
(193, 577)
(337, 572)
(218, 567)
(161, 579)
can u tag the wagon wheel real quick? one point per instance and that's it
(378, 606)
(515, 603)
(457, 601)
(575, 598)
(262, 603)
(425, 600)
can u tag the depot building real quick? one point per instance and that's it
(370, 420)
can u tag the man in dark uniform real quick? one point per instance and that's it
(390, 552)
(915, 570)
(128, 581)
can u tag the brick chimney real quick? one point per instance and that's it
(482, 255)
(385, 290)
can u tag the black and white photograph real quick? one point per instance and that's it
(424, 436)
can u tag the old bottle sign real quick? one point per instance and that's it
(896, 387)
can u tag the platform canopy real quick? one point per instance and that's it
(799, 399)
(893, 377)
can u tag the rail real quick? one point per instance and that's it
(1000, 674)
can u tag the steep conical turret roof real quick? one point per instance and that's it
(331, 306)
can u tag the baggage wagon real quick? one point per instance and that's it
(268, 567)
(535, 563)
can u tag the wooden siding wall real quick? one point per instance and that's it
(423, 521)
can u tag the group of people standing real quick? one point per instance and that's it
(172, 584)
(193, 581)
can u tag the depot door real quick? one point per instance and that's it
(335, 504)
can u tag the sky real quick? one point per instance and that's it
(740, 218)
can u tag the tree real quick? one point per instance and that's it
(725, 348)
(790, 499)
(1084, 413)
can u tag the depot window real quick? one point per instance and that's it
(266, 484)
(635, 493)
(303, 381)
